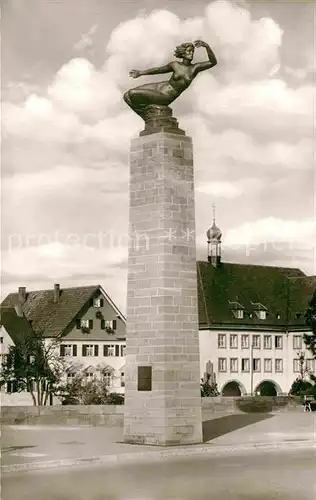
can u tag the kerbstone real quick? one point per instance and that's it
(162, 314)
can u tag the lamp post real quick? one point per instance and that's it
(251, 367)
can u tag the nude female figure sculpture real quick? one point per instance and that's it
(164, 93)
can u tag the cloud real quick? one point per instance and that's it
(226, 189)
(67, 145)
(299, 234)
(86, 40)
(57, 260)
(79, 88)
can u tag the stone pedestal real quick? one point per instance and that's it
(162, 372)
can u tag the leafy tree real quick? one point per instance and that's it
(33, 365)
(208, 387)
(310, 318)
(300, 387)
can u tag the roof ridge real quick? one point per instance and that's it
(52, 289)
(257, 265)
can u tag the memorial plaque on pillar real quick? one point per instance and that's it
(144, 379)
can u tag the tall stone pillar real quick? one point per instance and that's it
(162, 372)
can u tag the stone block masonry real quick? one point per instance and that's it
(162, 313)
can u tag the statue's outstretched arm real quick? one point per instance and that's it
(152, 71)
(211, 56)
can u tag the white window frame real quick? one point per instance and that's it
(233, 363)
(67, 349)
(107, 377)
(89, 349)
(221, 336)
(122, 350)
(279, 367)
(267, 363)
(245, 341)
(267, 341)
(296, 365)
(233, 336)
(310, 363)
(245, 365)
(122, 375)
(259, 365)
(239, 313)
(222, 365)
(97, 302)
(84, 323)
(111, 350)
(262, 314)
(298, 338)
(281, 342)
(257, 344)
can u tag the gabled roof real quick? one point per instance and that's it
(17, 327)
(219, 286)
(50, 318)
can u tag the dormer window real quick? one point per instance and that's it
(237, 309)
(260, 310)
(278, 316)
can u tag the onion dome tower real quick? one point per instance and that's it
(214, 240)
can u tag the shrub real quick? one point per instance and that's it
(115, 399)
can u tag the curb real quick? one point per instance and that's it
(155, 456)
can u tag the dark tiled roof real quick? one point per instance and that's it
(16, 326)
(219, 287)
(300, 293)
(48, 317)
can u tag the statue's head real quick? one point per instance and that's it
(184, 51)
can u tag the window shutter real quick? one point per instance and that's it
(101, 302)
(102, 324)
(78, 324)
(84, 350)
(74, 350)
(62, 350)
(90, 324)
(105, 350)
(117, 350)
(96, 350)
(91, 302)
(114, 324)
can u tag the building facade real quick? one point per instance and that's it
(251, 322)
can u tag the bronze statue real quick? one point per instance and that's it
(164, 93)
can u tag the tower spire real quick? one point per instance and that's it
(214, 236)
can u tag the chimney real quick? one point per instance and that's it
(22, 294)
(56, 292)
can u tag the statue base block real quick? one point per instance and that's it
(160, 119)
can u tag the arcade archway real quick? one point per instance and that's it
(268, 388)
(232, 389)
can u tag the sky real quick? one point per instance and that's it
(66, 132)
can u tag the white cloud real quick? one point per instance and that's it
(226, 189)
(86, 39)
(296, 233)
(263, 104)
(79, 88)
(59, 260)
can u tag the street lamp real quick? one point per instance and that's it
(251, 367)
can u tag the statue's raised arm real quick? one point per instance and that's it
(165, 92)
